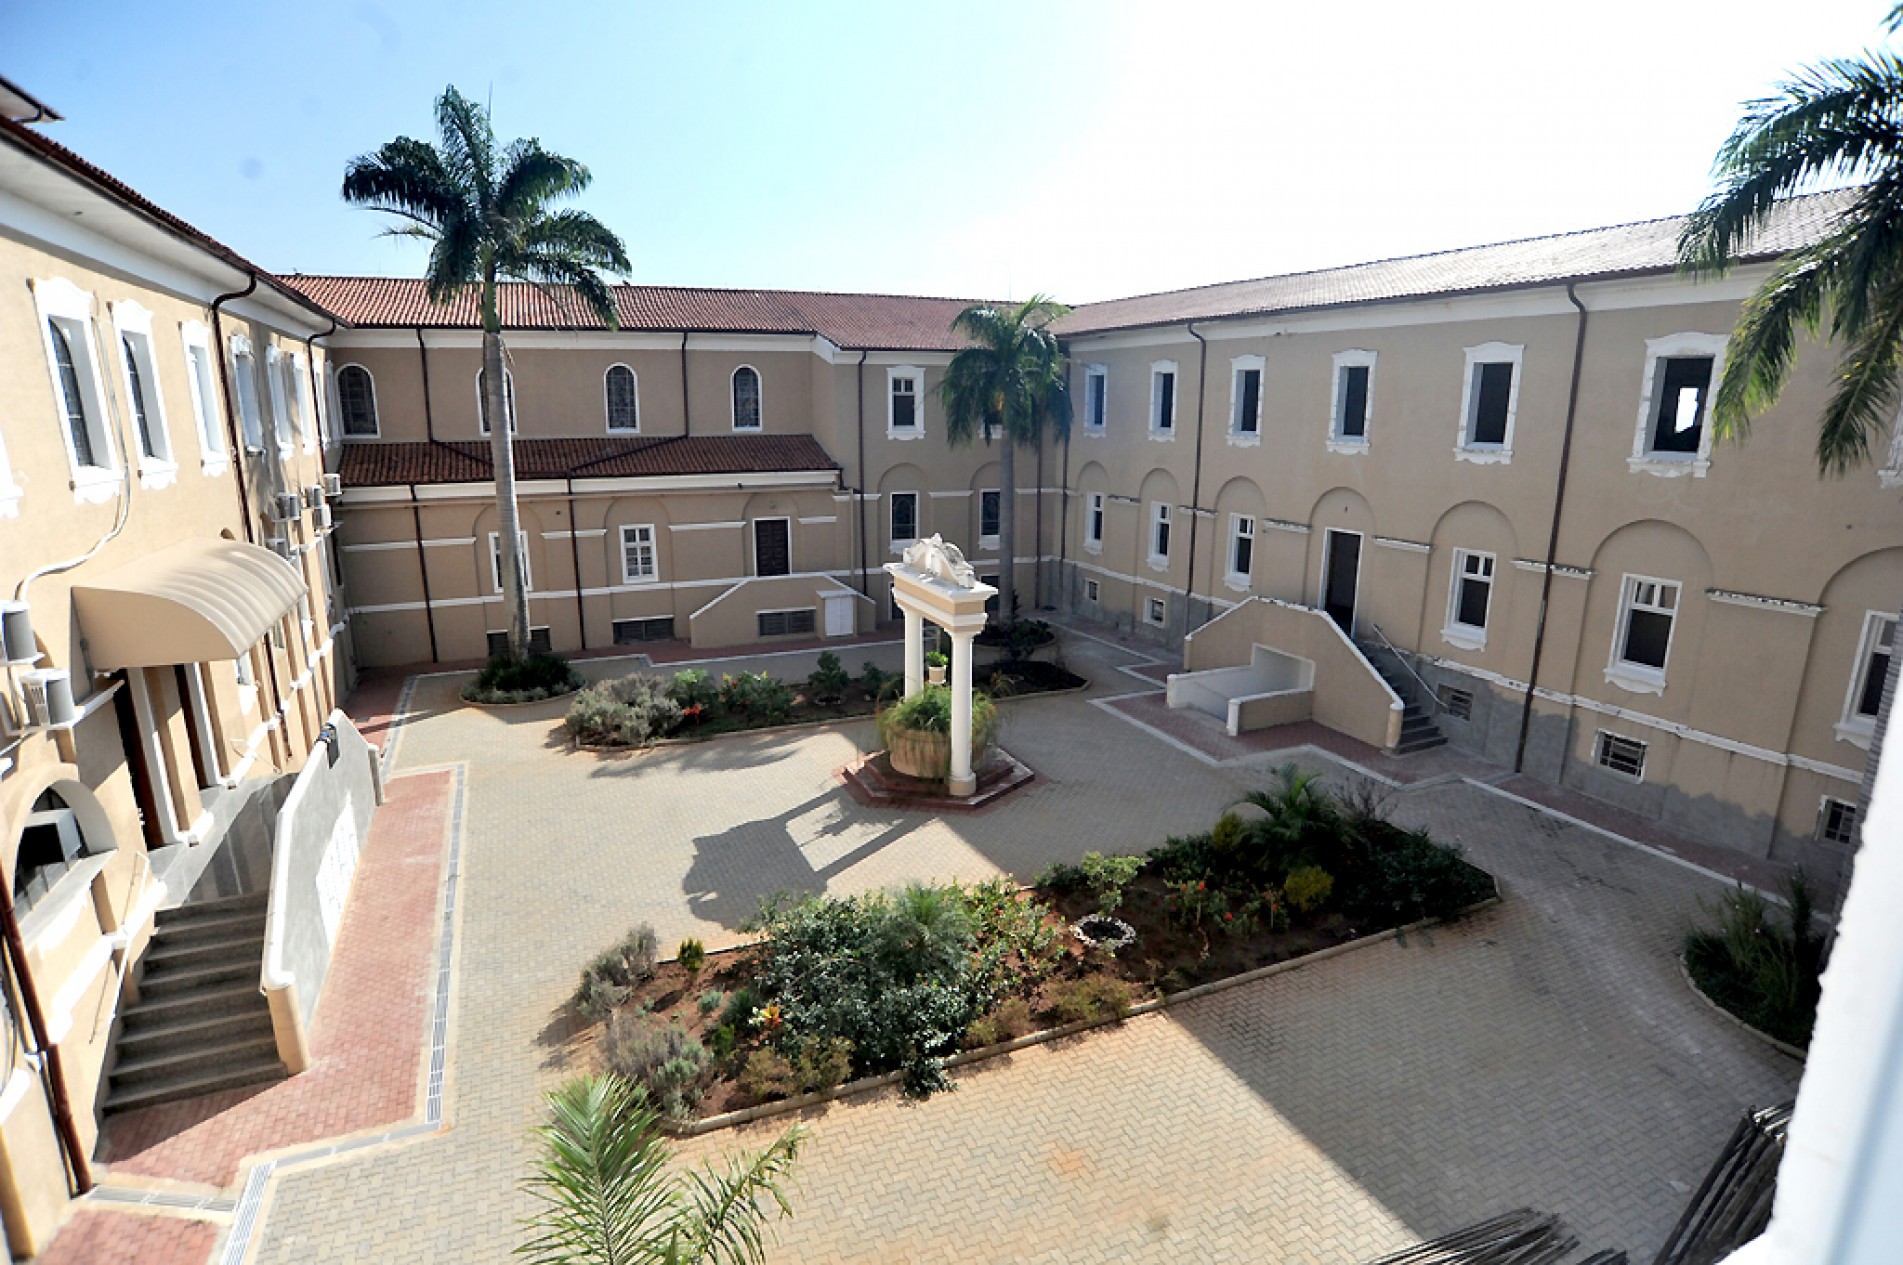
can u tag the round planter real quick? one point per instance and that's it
(934, 675)
(926, 755)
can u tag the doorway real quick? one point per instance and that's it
(772, 546)
(1341, 577)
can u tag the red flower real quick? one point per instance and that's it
(1202, 887)
(1228, 917)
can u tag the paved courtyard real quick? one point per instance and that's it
(1543, 1053)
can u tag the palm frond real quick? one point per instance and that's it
(467, 144)
(598, 1179)
(727, 1210)
(455, 261)
(1761, 350)
(532, 178)
(1861, 406)
(404, 177)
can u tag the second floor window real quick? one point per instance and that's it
(72, 395)
(1354, 375)
(638, 562)
(902, 414)
(1093, 521)
(137, 393)
(746, 398)
(1487, 405)
(1680, 385)
(1241, 547)
(1645, 625)
(624, 408)
(357, 400)
(1096, 389)
(1873, 665)
(1159, 533)
(1163, 398)
(1245, 409)
(904, 517)
(988, 501)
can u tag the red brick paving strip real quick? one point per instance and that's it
(125, 1238)
(367, 1041)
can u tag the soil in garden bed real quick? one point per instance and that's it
(1028, 676)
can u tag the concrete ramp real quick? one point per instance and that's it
(1271, 689)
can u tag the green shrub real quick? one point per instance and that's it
(828, 683)
(609, 980)
(1008, 1020)
(876, 679)
(1308, 887)
(507, 680)
(1408, 875)
(930, 711)
(1062, 879)
(1186, 859)
(692, 955)
(664, 1059)
(818, 1065)
(628, 711)
(692, 687)
(710, 1000)
(1091, 998)
(741, 1003)
(1108, 876)
(721, 1044)
(1765, 973)
(1009, 927)
(756, 696)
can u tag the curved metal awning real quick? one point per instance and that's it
(197, 601)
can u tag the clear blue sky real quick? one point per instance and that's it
(980, 148)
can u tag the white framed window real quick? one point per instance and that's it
(144, 394)
(1489, 400)
(495, 560)
(79, 389)
(990, 503)
(639, 562)
(1619, 754)
(1836, 822)
(277, 374)
(1642, 639)
(1093, 592)
(201, 385)
(1155, 611)
(904, 402)
(1093, 521)
(244, 384)
(1672, 437)
(482, 399)
(1245, 400)
(1096, 398)
(622, 391)
(299, 385)
(1469, 600)
(1352, 406)
(902, 516)
(1163, 400)
(326, 407)
(357, 402)
(748, 407)
(1875, 644)
(247, 678)
(1241, 551)
(1160, 535)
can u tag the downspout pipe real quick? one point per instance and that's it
(1037, 534)
(1552, 538)
(574, 557)
(233, 438)
(53, 1073)
(429, 412)
(1196, 477)
(422, 569)
(859, 493)
(687, 413)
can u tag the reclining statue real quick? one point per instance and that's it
(941, 561)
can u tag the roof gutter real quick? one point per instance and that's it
(1552, 538)
(233, 438)
(1196, 476)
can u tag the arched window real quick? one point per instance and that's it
(357, 400)
(72, 399)
(746, 398)
(49, 844)
(624, 401)
(482, 399)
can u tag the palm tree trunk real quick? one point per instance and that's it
(515, 597)
(1007, 530)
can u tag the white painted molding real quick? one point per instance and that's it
(1784, 605)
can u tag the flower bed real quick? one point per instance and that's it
(531, 680)
(842, 988)
(1765, 975)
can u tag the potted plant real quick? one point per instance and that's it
(917, 733)
(935, 663)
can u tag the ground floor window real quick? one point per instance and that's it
(630, 631)
(1092, 591)
(1155, 611)
(538, 642)
(1456, 703)
(787, 623)
(1624, 756)
(1837, 822)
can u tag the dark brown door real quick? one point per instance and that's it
(772, 547)
(144, 793)
(1341, 574)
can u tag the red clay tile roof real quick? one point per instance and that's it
(1649, 247)
(888, 322)
(390, 464)
(35, 143)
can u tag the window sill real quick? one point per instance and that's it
(1159, 564)
(1245, 439)
(1636, 679)
(1462, 637)
(1093, 432)
(748, 430)
(1483, 456)
(896, 433)
(1890, 479)
(641, 579)
(612, 430)
(1163, 436)
(157, 474)
(213, 466)
(1349, 447)
(95, 485)
(1093, 548)
(1237, 583)
(900, 546)
(1858, 733)
(987, 542)
(1667, 466)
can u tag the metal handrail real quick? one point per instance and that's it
(1430, 698)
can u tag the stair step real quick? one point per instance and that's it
(192, 1030)
(224, 927)
(207, 1081)
(235, 997)
(169, 981)
(1409, 745)
(159, 1065)
(172, 953)
(250, 902)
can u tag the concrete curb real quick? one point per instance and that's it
(1782, 1047)
(965, 1058)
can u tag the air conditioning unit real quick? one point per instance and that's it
(320, 517)
(286, 508)
(313, 496)
(281, 546)
(333, 486)
(17, 643)
(49, 698)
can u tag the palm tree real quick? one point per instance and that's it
(606, 1200)
(487, 212)
(1010, 383)
(1839, 120)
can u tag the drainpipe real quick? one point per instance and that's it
(233, 438)
(1063, 518)
(1552, 539)
(422, 569)
(859, 493)
(53, 1073)
(687, 414)
(574, 555)
(429, 413)
(1196, 478)
(1037, 534)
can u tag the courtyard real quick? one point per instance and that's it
(1544, 1052)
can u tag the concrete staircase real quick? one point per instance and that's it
(1418, 730)
(200, 1025)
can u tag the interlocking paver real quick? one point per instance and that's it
(128, 1238)
(1545, 1052)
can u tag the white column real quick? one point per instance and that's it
(961, 782)
(914, 651)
